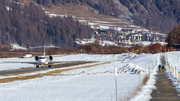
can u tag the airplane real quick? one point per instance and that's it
(43, 60)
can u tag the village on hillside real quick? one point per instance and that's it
(126, 35)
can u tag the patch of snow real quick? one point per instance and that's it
(56, 15)
(8, 8)
(102, 43)
(144, 43)
(15, 46)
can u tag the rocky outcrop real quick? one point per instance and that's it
(126, 13)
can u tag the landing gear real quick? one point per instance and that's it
(49, 66)
(37, 66)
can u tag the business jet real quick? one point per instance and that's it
(43, 60)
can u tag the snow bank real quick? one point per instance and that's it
(144, 94)
(173, 59)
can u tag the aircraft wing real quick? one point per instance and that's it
(53, 62)
(30, 62)
(23, 62)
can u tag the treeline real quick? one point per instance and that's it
(174, 36)
(95, 48)
(4, 48)
(29, 25)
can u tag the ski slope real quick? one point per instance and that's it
(96, 83)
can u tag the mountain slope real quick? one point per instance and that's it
(29, 25)
(156, 15)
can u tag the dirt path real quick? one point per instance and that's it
(165, 90)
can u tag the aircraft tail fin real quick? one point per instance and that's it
(44, 48)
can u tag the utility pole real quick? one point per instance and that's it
(115, 74)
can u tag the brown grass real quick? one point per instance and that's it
(138, 88)
(135, 92)
(146, 78)
(11, 79)
(51, 73)
(130, 94)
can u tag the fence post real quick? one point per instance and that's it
(177, 76)
(174, 72)
(145, 69)
(115, 74)
(149, 71)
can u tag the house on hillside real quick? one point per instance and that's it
(84, 23)
(135, 37)
(127, 31)
(95, 26)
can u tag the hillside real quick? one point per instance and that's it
(156, 15)
(29, 25)
(26, 22)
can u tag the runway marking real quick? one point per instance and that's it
(51, 73)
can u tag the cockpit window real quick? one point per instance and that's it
(42, 57)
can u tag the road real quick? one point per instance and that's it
(165, 90)
(5, 72)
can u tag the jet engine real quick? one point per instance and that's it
(50, 58)
(36, 58)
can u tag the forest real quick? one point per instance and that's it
(174, 36)
(29, 25)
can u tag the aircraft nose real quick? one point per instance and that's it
(41, 61)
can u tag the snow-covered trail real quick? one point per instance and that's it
(145, 93)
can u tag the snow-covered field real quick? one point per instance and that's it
(96, 83)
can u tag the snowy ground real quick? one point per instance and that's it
(96, 83)
(128, 44)
(102, 43)
(173, 58)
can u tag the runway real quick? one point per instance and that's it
(5, 72)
